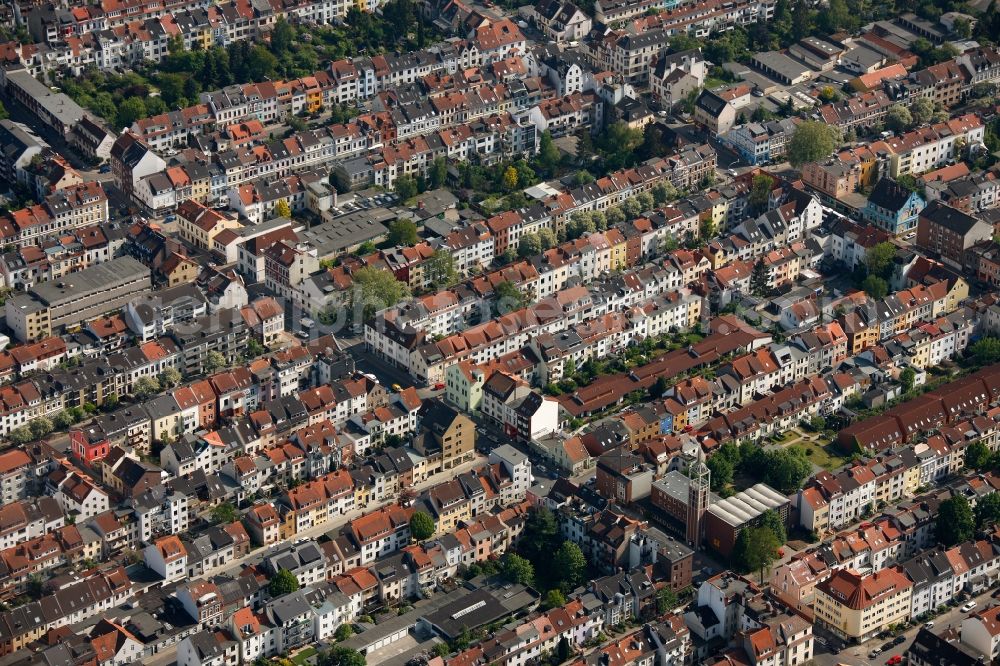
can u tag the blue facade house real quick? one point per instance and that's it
(893, 207)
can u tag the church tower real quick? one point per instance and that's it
(698, 488)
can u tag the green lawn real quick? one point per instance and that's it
(711, 83)
(785, 437)
(304, 654)
(826, 457)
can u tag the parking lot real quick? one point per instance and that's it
(365, 200)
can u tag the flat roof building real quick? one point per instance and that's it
(726, 518)
(76, 298)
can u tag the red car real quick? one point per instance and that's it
(894, 660)
(439, 386)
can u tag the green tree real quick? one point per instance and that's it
(835, 17)
(563, 650)
(254, 348)
(879, 259)
(955, 522)
(225, 513)
(214, 361)
(518, 569)
(529, 245)
(599, 220)
(129, 111)
(658, 388)
(169, 378)
(614, 216)
(760, 192)
(377, 289)
(907, 377)
(41, 427)
(631, 208)
(666, 600)
(580, 223)
(405, 187)
(922, 110)
(282, 36)
(772, 521)
(756, 549)
(20, 435)
(570, 564)
(978, 456)
(706, 228)
(554, 598)
(963, 28)
(786, 469)
(875, 287)
(663, 192)
(340, 656)
(546, 238)
(403, 233)
(111, 399)
(548, 158)
(898, 118)
(35, 587)
(541, 534)
(439, 269)
(438, 172)
(509, 298)
(721, 472)
(422, 526)
(145, 387)
(282, 209)
(343, 632)
(759, 280)
(63, 420)
(618, 145)
(987, 510)
(812, 141)
(282, 582)
(986, 350)
(260, 64)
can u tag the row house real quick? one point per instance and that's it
(62, 211)
(928, 148)
(316, 502)
(699, 19)
(79, 599)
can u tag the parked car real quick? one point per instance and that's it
(439, 386)
(874, 653)
(929, 625)
(397, 388)
(887, 646)
(105, 168)
(898, 640)
(894, 660)
(969, 606)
